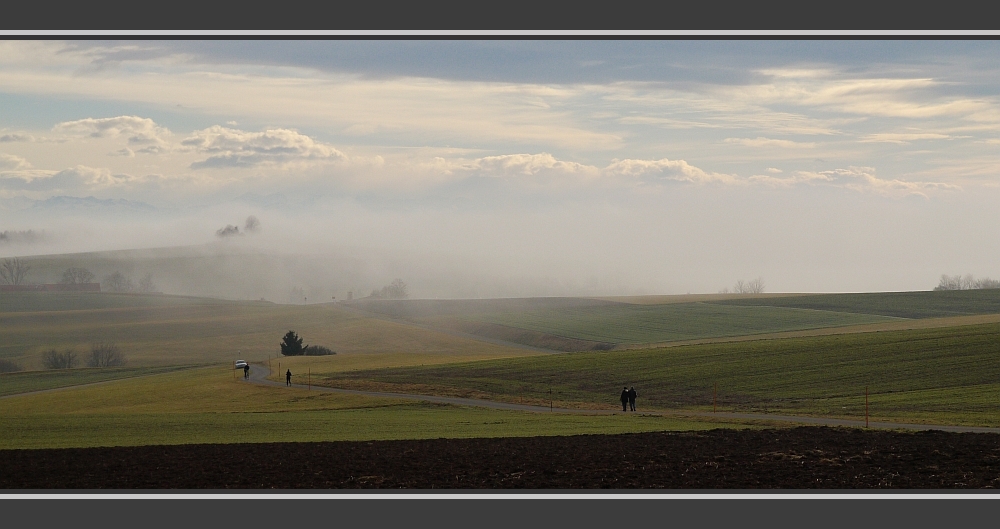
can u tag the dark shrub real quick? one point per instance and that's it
(105, 355)
(53, 359)
(319, 350)
(9, 366)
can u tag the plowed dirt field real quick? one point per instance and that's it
(797, 458)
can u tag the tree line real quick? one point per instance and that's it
(754, 286)
(14, 271)
(966, 282)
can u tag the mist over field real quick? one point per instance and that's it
(567, 169)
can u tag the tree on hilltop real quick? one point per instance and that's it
(291, 345)
(77, 276)
(13, 271)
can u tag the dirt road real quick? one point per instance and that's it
(260, 372)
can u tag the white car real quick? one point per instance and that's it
(240, 364)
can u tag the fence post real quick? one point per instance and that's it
(715, 394)
(309, 380)
(866, 406)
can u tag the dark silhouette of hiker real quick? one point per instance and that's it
(631, 397)
(246, 371)
(624, 399)
(288, 377)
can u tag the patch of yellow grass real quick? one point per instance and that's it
(202, 390)
(227, 331)
(339, 363)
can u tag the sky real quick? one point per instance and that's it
(482, 168)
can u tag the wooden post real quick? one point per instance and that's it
(309, 379)
(550, 399)
(715, 394)
(866, 406)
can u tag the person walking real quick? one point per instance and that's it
(288, 377)
(624, 399)
(631, 397)
(246, 371)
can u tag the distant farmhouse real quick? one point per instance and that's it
(53, 287)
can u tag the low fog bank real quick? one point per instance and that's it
(702, 241)
(237, 270)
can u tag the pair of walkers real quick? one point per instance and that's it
(628, 398)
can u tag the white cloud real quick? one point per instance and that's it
(774, 170)
(139, 131)
(863, 179)
(126, 152)
(72, 179)
(789, 181)
(902, 137)
(768, 142)
(526, 164)
(664, 169)
(905, 97)
(13, 162)
(16, 137)
(237, 148)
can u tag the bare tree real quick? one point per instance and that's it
(146, 283)
(394, 290)
(949, 283)
(9, 366)
(105, 355)
(966, 282)
(118, 282)
(987, 283)
(755, 286)
(252, 224)
(53, 359)
(13, 271)
(397, 289)
(76, 276)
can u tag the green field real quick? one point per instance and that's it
(934, 304)
(206, 405)
(944, 376)
(584, 324)
(27, 381)
(637, 324)
(80, 301)
(172, 330)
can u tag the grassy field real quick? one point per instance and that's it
(83, 301)
(933, 304)
(206, 405)
(27, 381)
(173, 330)
(632, 324)
(946, 376)
(584, 324)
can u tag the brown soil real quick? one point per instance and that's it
(798, 458)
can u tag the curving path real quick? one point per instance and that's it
(260, 372)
